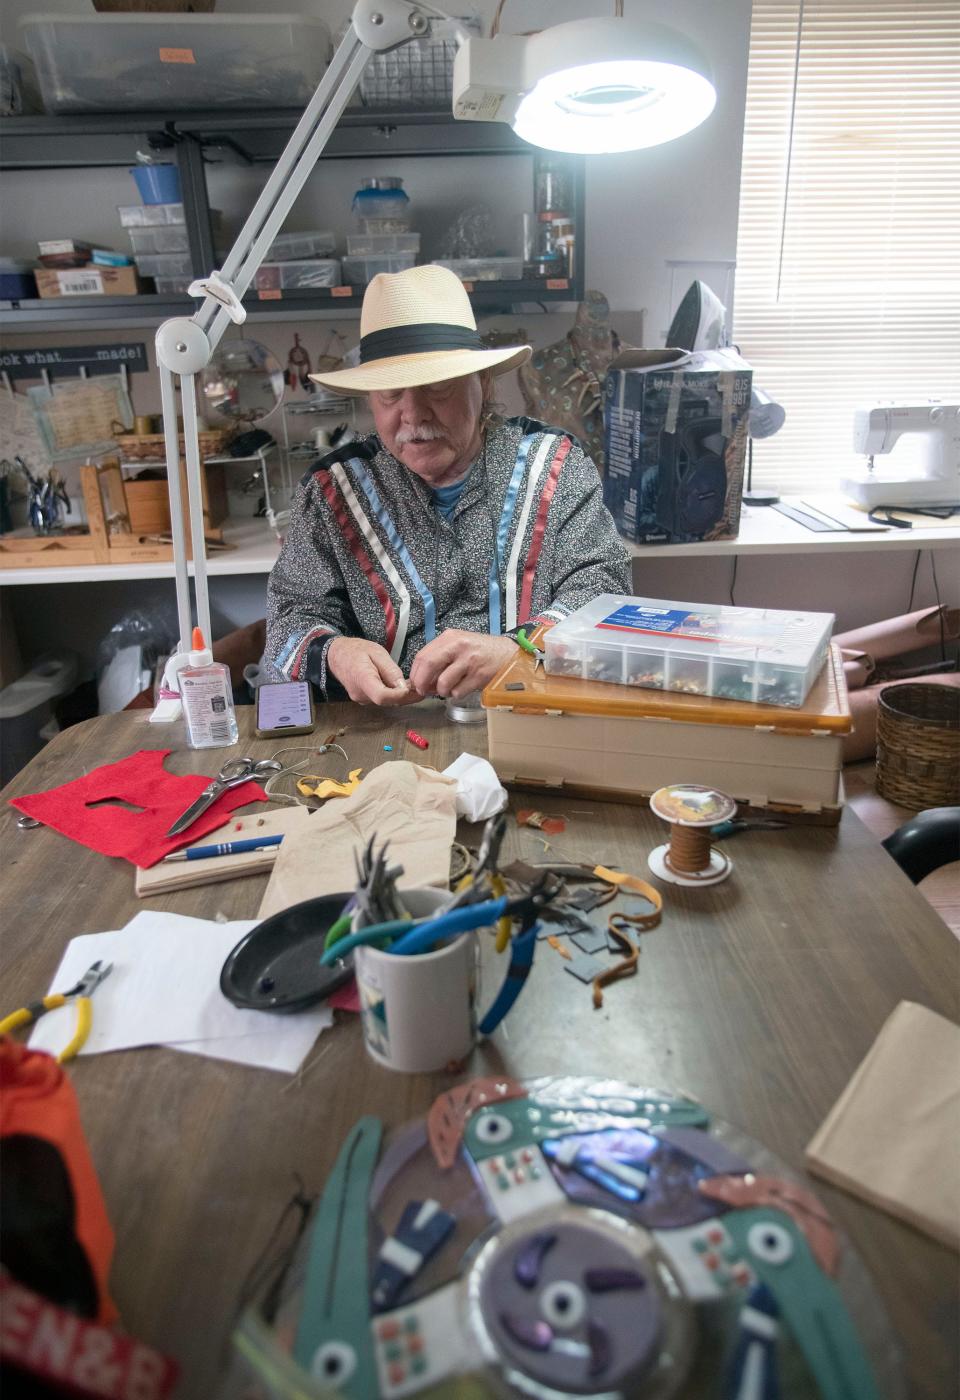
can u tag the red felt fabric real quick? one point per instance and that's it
(143, 781)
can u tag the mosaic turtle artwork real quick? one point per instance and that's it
(567, 1237)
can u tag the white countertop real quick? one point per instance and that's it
(762, 531)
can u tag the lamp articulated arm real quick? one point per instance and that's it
(185, 345)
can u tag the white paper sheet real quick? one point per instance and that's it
(165, 990)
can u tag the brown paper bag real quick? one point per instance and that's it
(413, 808)
(893, 1136)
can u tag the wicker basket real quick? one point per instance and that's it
(149, 447)
(918, 745)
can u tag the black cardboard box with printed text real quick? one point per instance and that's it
(675, 436)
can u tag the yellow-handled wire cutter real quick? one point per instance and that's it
(488, 859)
(81, 993)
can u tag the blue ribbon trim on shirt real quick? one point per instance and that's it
(509, 503)
(370, 491)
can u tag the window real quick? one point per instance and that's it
(848, 257)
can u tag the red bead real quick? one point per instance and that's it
(388, 1331)
(417, 739)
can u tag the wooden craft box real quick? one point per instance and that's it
(148, 502)
(110, 537)
(612, 741)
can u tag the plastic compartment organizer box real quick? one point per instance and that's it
(484, 269)
(358, 271)
(290, 247)
(161, 61)
(311, 272)
(753, 654)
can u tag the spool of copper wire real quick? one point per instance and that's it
(688, 858)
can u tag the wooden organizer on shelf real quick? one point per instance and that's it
(105, 499)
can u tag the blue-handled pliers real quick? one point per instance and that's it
(415, 937)
(412, 938)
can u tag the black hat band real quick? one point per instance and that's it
(414, 340)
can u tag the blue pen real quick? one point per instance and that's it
(225, 848)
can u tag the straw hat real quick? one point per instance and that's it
(417, 327)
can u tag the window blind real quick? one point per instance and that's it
(848, 255)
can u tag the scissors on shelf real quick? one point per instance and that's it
(81, 993)
(231, 775)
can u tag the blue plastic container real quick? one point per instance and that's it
(158, 184)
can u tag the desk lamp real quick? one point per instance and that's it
(590, 85)
(766, 418)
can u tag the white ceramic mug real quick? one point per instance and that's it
(419, 1012)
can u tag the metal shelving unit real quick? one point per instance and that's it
(195, 139)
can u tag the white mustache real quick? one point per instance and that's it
(422, 434)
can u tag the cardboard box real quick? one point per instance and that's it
(89, 281)
(676, 436)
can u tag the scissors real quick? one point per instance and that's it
(83, 991)
(231, 775)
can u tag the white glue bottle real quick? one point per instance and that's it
(207, 699)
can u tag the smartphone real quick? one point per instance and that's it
(284, 708)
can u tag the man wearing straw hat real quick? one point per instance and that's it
(411, 556)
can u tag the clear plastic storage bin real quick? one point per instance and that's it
(381, 205)
(312, 272)
(484, 269)
(165, 265)
(368, 244)
(289, 247)
(172, 286)
(162, 238)
(162, 62)
(148, 215)
(754, 654)
(358, 271)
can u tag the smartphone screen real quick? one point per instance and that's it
(284, 706)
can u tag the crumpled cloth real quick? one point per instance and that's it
(480, 794)
(143, 781)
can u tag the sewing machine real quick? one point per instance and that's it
(934, 481)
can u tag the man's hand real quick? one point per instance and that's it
(368, 673)
(457, 662)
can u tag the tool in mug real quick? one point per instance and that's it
(375, 900)
(488, 859)
(419, 937)
(377, 897)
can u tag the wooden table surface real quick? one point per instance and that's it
(759, 996)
